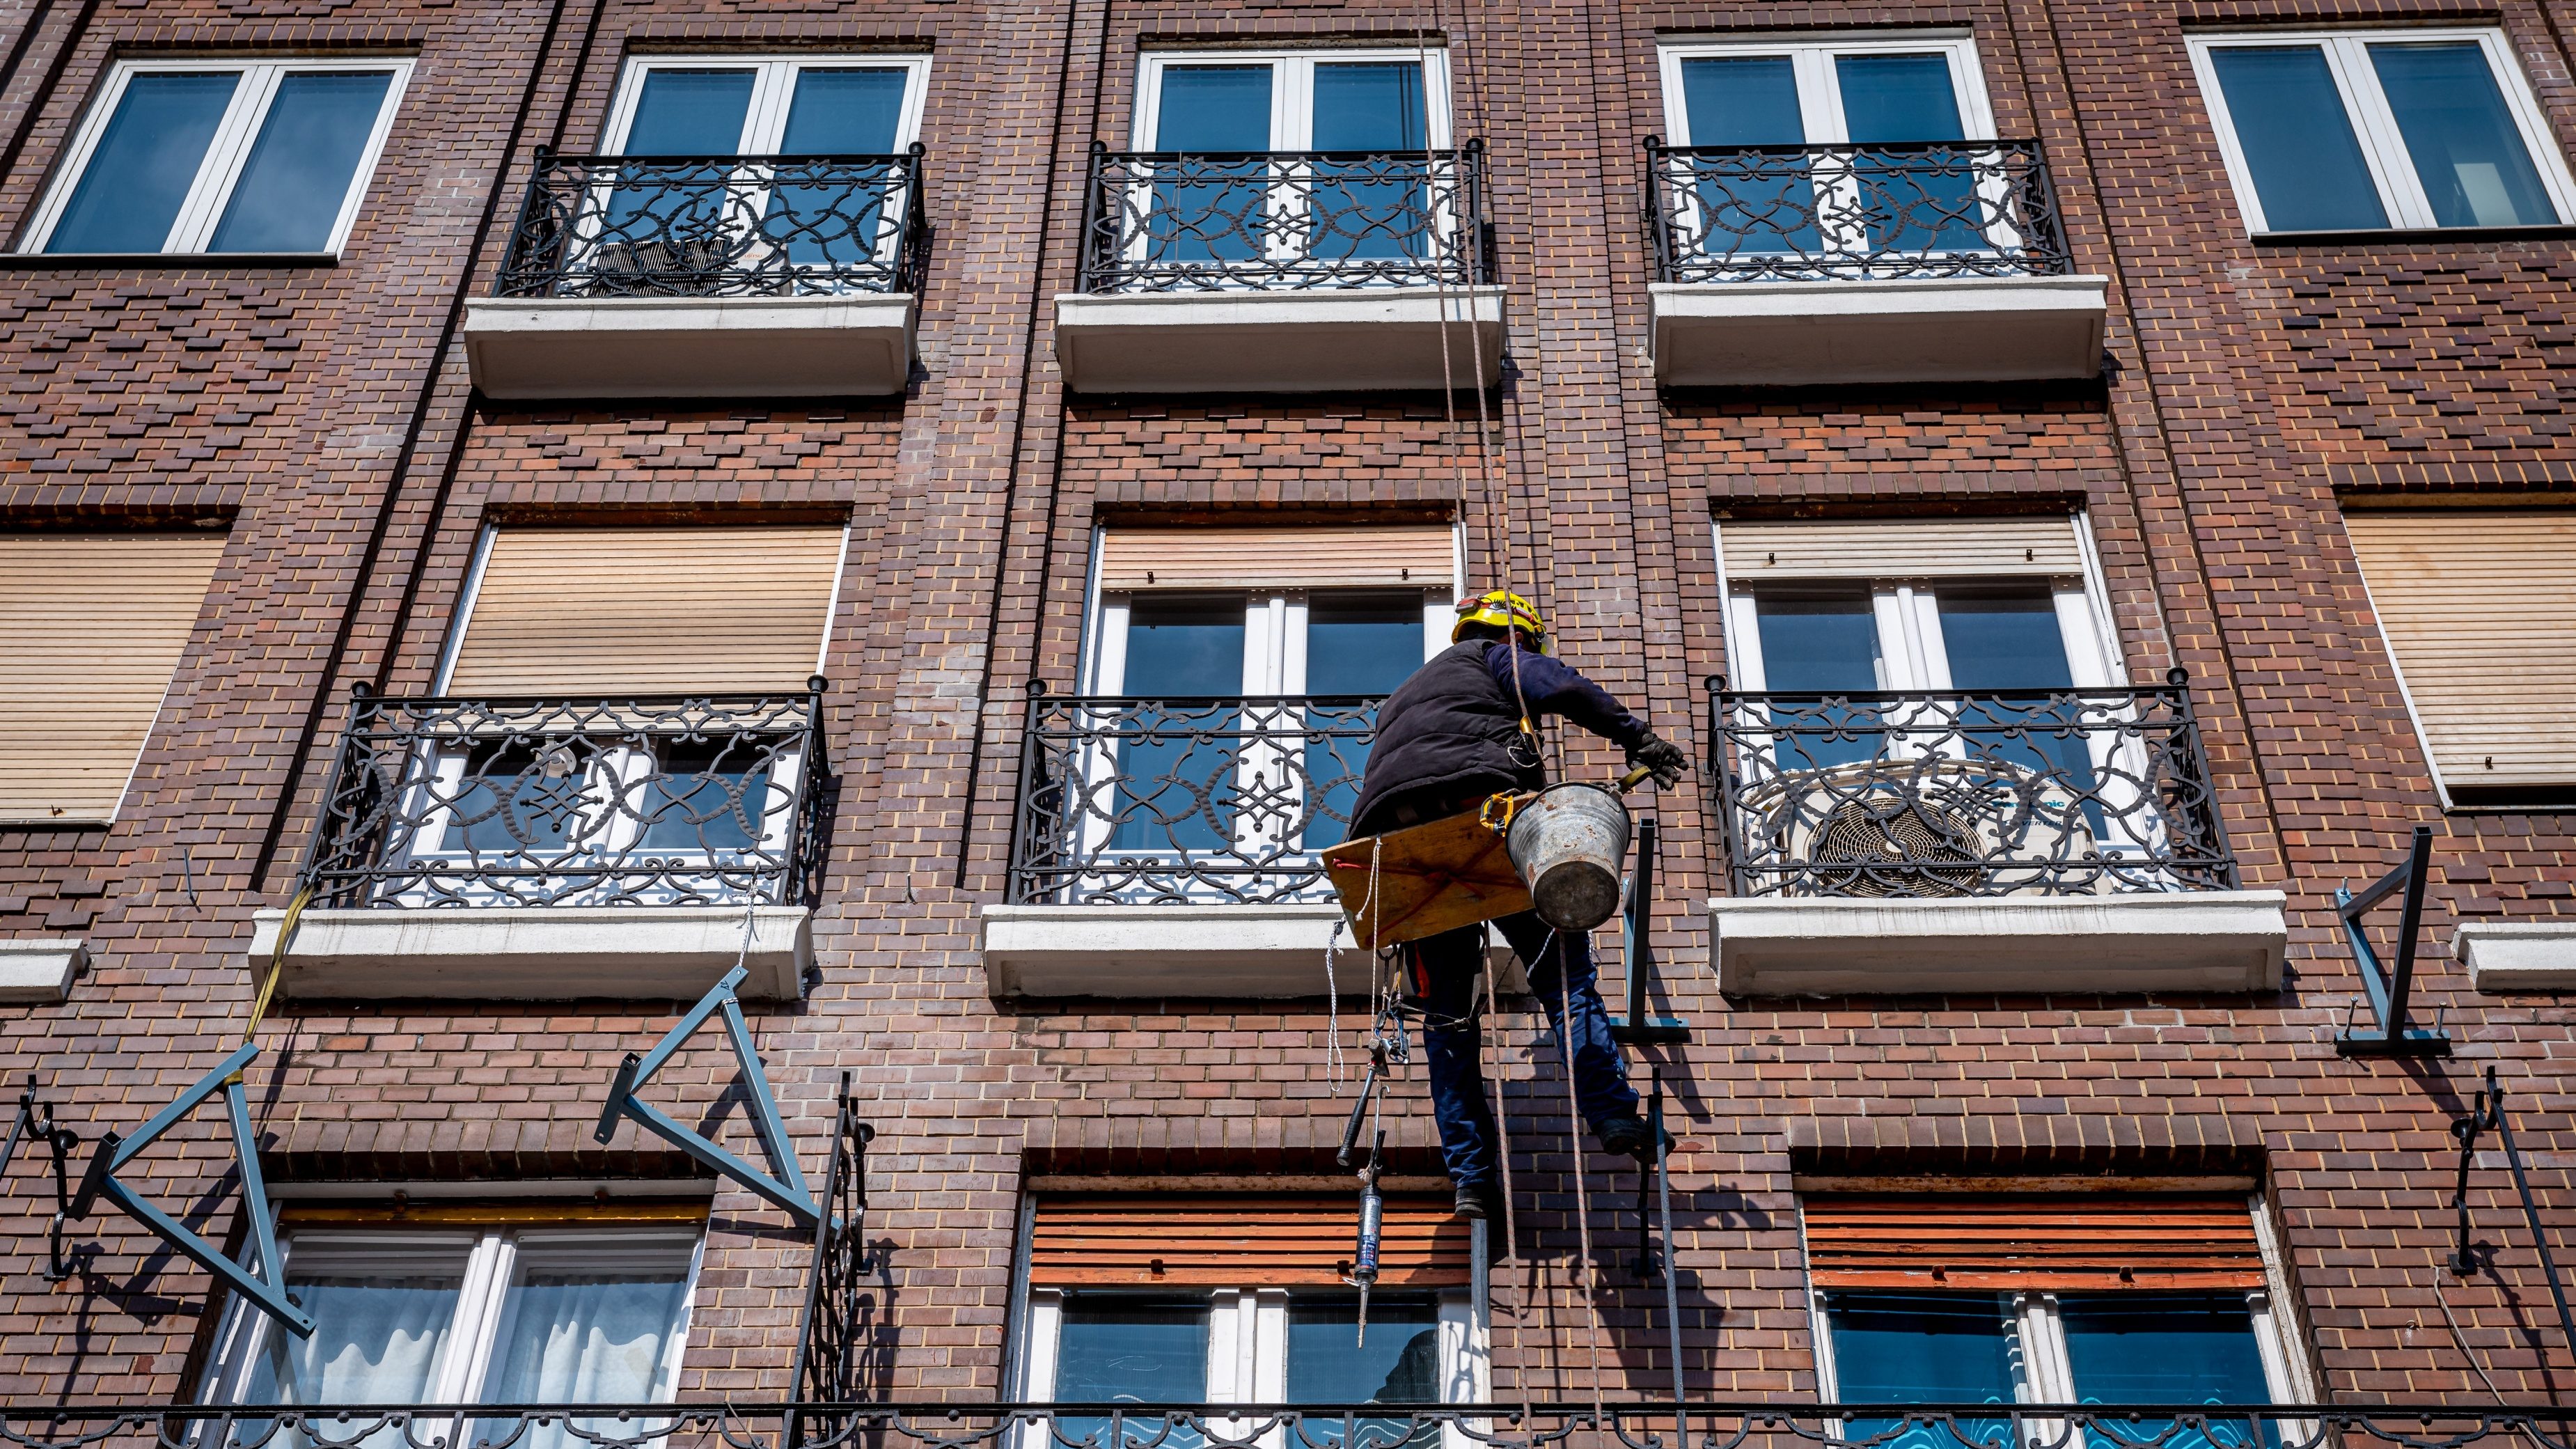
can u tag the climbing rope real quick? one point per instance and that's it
(1582, 1195)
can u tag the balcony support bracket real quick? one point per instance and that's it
(783, 1184)
(263, 1289)
(2388, 989)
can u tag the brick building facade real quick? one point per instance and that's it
(2237, 394)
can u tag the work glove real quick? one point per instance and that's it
(1661, 756)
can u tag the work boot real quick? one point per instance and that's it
(1477, 1203)
(1629, 1136)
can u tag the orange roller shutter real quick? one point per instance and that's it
(648, 610)
(2050, 1241)
(1279, 558)
(92, 626)
(1247, 1241)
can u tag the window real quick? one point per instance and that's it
(2346, 131)
(1186, 1300)
(2478, 606)
(1343, 100)
(209, 156)
(1211, 623)
(92, 627)
(1853, 95)
(730, 106)
(2076, 1298)
(493, 1312)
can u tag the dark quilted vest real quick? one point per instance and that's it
(1449, 730)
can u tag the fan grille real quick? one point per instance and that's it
(1892, 845)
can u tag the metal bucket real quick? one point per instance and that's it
(1568, 844)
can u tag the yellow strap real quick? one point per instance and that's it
(276, 962)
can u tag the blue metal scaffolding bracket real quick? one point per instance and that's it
(114, 1152)
(783, 1184)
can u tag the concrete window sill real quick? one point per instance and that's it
(2053, 945)
(537, 953)
(1358, 339)
(1897, 329)
(40, 969)
(580, 347)
(2513, 956)
(1195, 951)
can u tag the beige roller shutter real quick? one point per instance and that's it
(91, 629)
(2479, 606)
(1318, 558)
(647, 611)
(1901, 548)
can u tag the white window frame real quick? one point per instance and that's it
(2374, 125)
(228, 151)
(1292, 88)
(1820, 101)
(1248, 1354)
(773, 91)
(488, 1259)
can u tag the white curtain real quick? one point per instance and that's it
(375, 1340)
(585, 1338)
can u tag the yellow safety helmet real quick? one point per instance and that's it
(1504, 610)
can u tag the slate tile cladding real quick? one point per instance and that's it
(322, 415)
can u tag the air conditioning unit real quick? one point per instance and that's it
(1929, 826)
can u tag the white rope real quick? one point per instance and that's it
(1582, 1197)
(1333, 1012)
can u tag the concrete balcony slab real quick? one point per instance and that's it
(537, 953)
(1197, 951)
(1359, 339)
(2053, 945)
(1860, 330)
(2511, 956)
(546, 347)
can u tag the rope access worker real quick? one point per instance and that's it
(1452, 734)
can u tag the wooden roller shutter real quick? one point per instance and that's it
(1246, 1241)
(92, 626)
(2052, 1241)
(648, 610)
(1281, 558)
(1902, 548)
(2479, 606)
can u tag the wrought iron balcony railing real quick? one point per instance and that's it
(1887, 210)
(717, 226)
(1164, 221)
(538, 802)
(1697, 1424)
(2056, 792)
(1135, 801)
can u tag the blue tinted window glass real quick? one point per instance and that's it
(1898, 98)
(2004, 641)
(1369, 106)
(1184, 647)
(2168, 1348)
(1353, 646)
(711, 797)
(1822, 646)
(1923, 1348)
(144, 163)
(298, 174)
(2467, 150)
(2297, 140)
(1111, 1351)
(1178, 779)
(844, 113)
(1399, 1364)
(690, 113)
(1214, 108)
(1742, 100)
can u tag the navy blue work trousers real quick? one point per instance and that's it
(1560, 974)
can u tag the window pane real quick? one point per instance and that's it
(1822, 646)
(2004, 641)
(1113, 1351)
(298, 175)
(1354, 645)
(1399, 1364)
(2296, 138)
(1739, 204)
(1742, 100)
(2158, 1348)
(710, 797)
(1909, 200)
(1214, 108)
(2467, 150)
(376, 1340)
(2014, 642)
(844, 113)
(523, 798)
(1369, 106)
(1923, 1348)
(1180, 786)
(1897, 98)
(570, 1337)
(144, 163)
(690, 113)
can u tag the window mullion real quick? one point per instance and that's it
(225, 155)
(2401, 191)
(764, 122)
(478, 1317)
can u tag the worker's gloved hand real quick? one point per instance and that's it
(1661, 756)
